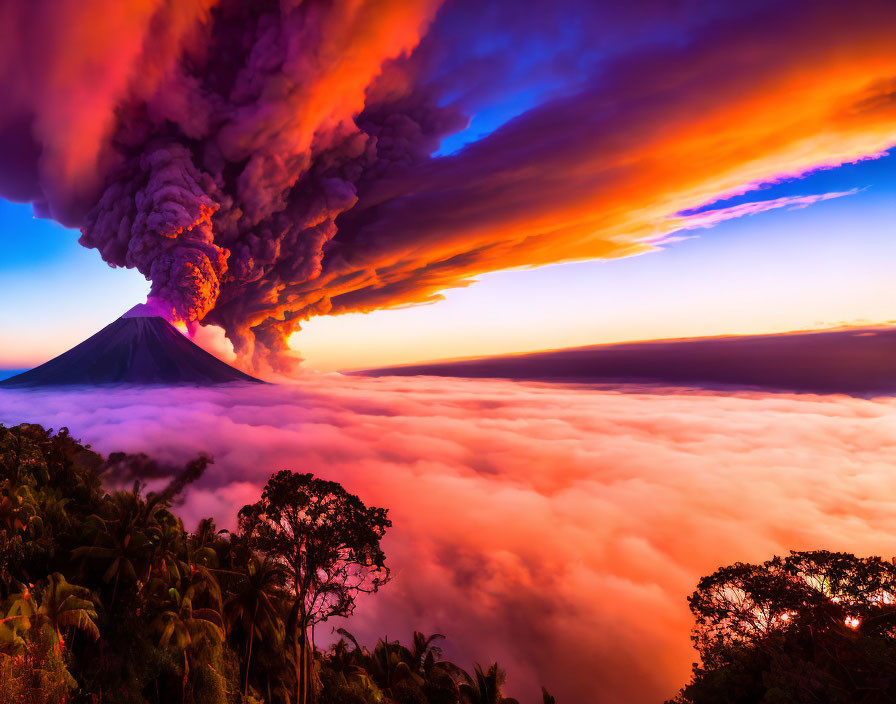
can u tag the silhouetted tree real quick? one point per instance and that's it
(254, 609)
(810, 627)
(328, 541)
(187, 629)
(484, 687)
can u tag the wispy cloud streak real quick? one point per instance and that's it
(711, 218)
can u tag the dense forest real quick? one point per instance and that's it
(106, 597)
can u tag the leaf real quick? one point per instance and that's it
(112, 569)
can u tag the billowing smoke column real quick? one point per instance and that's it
(262, 162)
(227, 151)
(156, 216)
(232, 171)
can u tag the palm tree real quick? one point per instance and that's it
(62, 607)
(391, 664)
(187, 629)
(123, 533)
(486, 687)
(206, 533)
(32, 634)
(254, 609)
(424, 654)
(437, 675)
(354, 668)
(167, 550)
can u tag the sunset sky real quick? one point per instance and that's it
(602, 174)
(822, 265)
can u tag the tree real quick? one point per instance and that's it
(60, 607)
(254, 608)
(424, 653)
(328, 542)
(812, 626)
(33, 634)
(485, 686)
(188, 629)
(122, 534)
(390, 665)
(147, 623)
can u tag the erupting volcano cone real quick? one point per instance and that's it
(133, 350)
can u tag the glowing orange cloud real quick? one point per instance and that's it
(603, 174)
(65, 67)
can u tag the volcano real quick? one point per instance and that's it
(132, 350)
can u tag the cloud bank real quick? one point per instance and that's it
(557, 529)
(267, 162)
(855, 361)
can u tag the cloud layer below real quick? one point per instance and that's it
(555, 528)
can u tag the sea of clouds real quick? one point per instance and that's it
(557, 529)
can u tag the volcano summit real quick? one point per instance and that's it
(133, 350)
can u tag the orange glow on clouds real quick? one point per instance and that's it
(770, 273)
(604, 174)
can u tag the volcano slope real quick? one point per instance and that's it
(136, 351)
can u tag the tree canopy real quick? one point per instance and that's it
(809, 627)
(328, 544)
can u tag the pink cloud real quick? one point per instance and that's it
(557, 529)
(711, 218)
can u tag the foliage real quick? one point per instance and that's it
(327, 543)
(106, 597)
(809, 627)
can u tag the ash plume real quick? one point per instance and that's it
(227, 152)
(263, 162)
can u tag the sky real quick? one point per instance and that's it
(601, 171)
(792, 268)
(824, 265)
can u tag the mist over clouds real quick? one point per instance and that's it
(265, 162)
(556, 528)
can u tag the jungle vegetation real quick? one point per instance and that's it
(106, 597)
